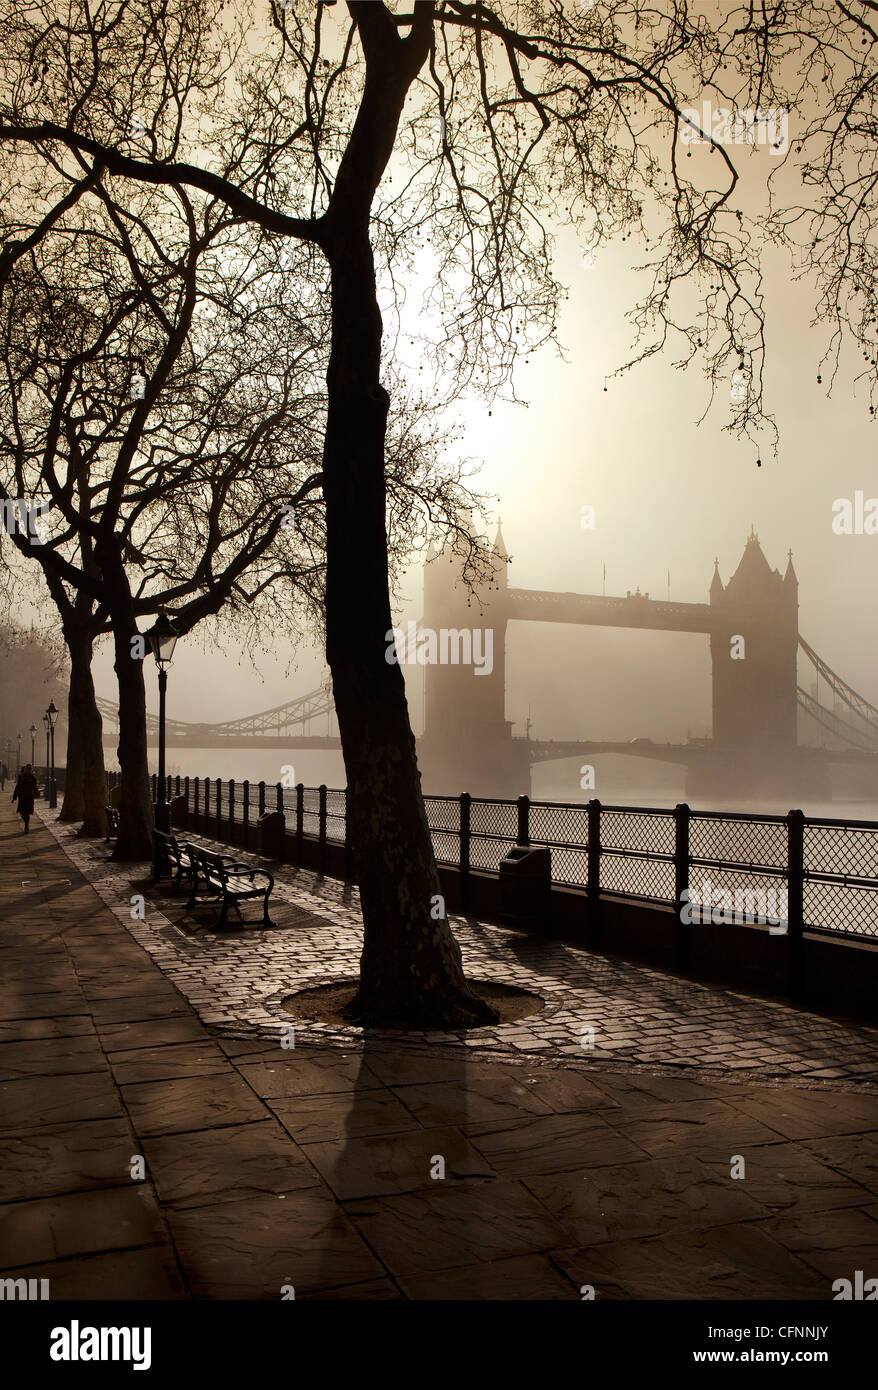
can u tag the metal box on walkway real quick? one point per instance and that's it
(526, 886)
(272, 830)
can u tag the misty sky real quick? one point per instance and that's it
(668, 495)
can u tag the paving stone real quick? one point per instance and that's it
(67, 1026)
(190, 1103)
(445, 1226)
(312, 1119)
(304, 1073)
(835, 1242)
(792, 1113)
(855, 1156)
(79, 1223)
(551, 1143)
(711, 1130)
(226, 1164)
(152, 1032)
(64, 1158)
(385, 1164)
(787, 1177)
(252, 1248)
(52, 1100)
(651, 1197)
(377, 1289)
(129, 1008)
(728, 1262)
(148, 1273)
(51, 1057)
(481, 1095)
(524, 1278)
(171, 1060)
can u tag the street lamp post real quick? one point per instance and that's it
(33, 735)
(46, 724)
(51, 712)
(162, 639)
(18, 769)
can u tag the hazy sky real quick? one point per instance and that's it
(668, 495)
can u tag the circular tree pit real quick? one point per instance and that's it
(327, 1003)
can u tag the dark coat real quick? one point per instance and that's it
(25, 791)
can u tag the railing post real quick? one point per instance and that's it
(178, 783)
(207, 798)
(321, 823)
(219, 807)
(795, 900)
(593, 869)
(262, 798)
(154, 797)
(682, 815)
(465, 806)
(523, 820)
(231, 815)
(245, 812)
(300, 820)
(279, 798)
(195, 800)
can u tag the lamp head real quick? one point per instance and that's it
(162, 638)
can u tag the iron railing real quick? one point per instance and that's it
(814, 873)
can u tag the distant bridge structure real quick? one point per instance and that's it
(756, 702)
(283, 726)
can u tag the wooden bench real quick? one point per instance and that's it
(112, 823)
(232, 881)
(174, 858)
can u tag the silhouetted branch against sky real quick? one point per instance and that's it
(520, 119)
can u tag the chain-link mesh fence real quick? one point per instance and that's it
(841, 877)
(637, 852)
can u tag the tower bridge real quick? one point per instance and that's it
(757, 703)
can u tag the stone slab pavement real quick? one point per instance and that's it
(152, 1150)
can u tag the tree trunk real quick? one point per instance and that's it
(85, 788)
(73, 805)
(411, 973)
(134, 839)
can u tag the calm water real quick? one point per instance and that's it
(662, 786)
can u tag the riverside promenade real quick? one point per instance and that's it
(159, 1142)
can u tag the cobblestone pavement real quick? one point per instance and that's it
(148, 1156)
(236, 980)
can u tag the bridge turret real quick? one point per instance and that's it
(467, 740)
(716, 584)
(790, 579)
(754, 647)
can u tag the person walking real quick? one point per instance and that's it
(24, 794)
(3, 775)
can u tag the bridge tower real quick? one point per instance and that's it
(753, 647)
(467, 743)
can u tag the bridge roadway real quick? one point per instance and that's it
(597, 610)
